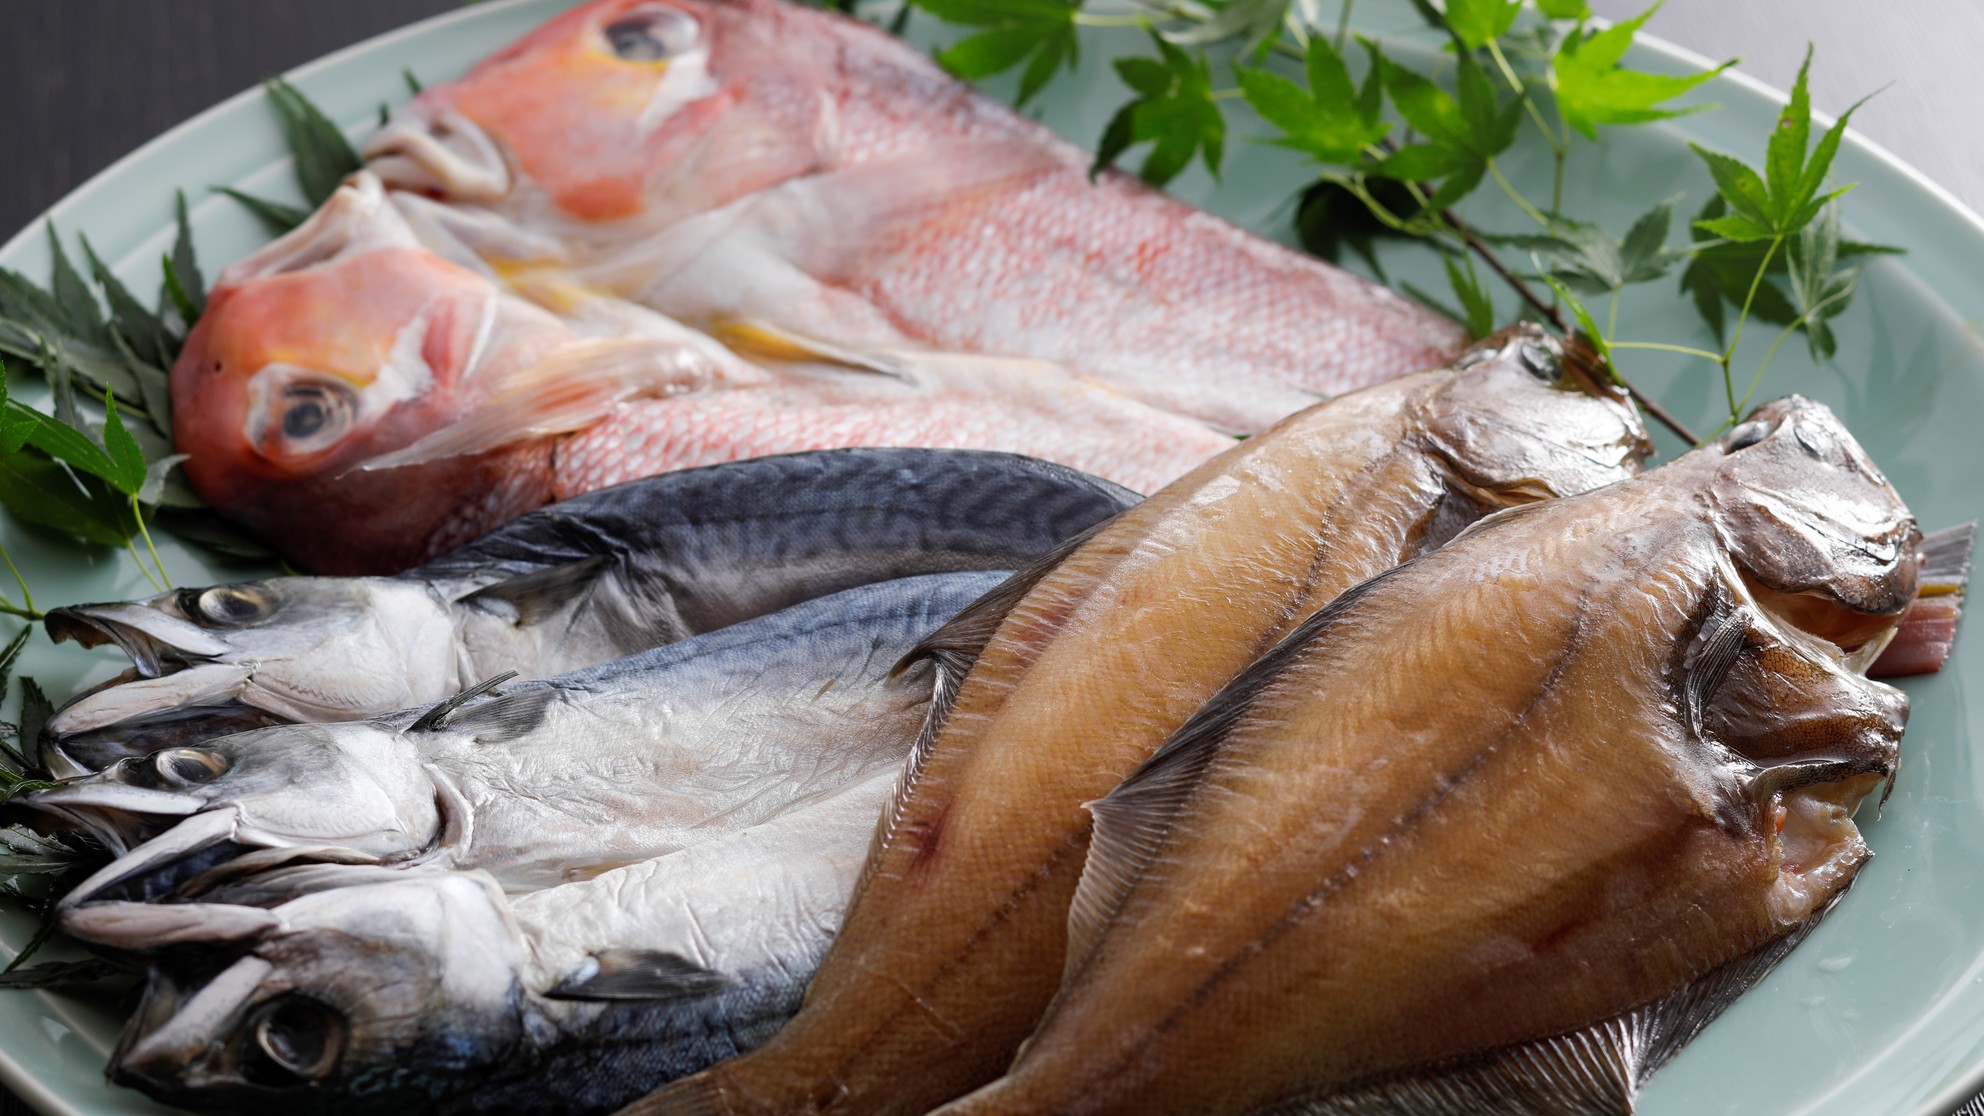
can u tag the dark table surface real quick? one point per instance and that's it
(85, 81)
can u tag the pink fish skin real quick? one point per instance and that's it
(363, 404)
(853, 191)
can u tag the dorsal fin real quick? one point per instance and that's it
(1131, 822)
(1595, 1070)
(638, 974)
(437, 717)
(950, 652)
(541, 594)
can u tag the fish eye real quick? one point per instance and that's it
(314, 414)
(1745, 436)
(1539, 362)
(299, 1037)
(186, 767)
(225, 606)
(652, 34)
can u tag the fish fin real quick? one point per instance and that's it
(541, 594)
(1927, 631)
(1596, 1071)
(1497, 519)
(761, 340)
(1719, 640)
(506, 717)
(639, 974)
(1131, 822)
(950, 652)
(438, 717)
(1946, 558)
(570, 389)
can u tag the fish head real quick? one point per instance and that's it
(619, 109)
(180, 819)
(340, 342)
(1821, 539)
(1525, 417)
(294, 648)
(367, 995)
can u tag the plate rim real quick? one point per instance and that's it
(31, 1090)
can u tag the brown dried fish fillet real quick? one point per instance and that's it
(954, 941)
(1499, 831)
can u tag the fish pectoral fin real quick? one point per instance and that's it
(506, 717)
(1595, 1071)
(1132, 821)
(541, 594)
(638, 974)
(764, 341)
(572, 388)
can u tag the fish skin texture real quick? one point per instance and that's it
(949, 219)
(1539, 844)
(955, 939)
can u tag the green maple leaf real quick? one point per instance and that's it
(1461, 131)
(1040, 33)
(1173, 112)
(1331, 121)
(1476, 23)
(1785, 198)
(1593, 88)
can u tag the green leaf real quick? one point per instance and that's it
(1563, 9)
(1820, 289)
(11, 655)
(1586, 325)
(15, 427)
(1784, 156)
(1720, 275)
(127, 460)
(1593, 88)
(1017, 30)
(77, 310)
(1476, 23)
(1174, 112)
(1477, 308)
(1738, 184)
(182, 270)
(323, 156)
(412, 83)
(41, 492)
(279, 218)
(1330, 217)
(1329, 121)
(1643, 254)
(132, 323)
(1736, 227)
(1462, 133)
(152, 489)
(36, 709)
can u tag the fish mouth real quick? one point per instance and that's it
(1816, 845)
(175, 674)
(439, 153)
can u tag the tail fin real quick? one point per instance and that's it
(1928, 629)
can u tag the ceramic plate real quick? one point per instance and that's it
(1881, 1010)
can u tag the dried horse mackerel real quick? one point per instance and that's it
(1521, 888)
(954, 941)
(271, 991)
(548, 781)
(584, 582)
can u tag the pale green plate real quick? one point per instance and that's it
(1882, 1010)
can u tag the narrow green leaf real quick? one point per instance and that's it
(183, 279)
(1784, 156)
(1820, 163)
(1586, 325)
(80, 315)
(1147, 76)
(127, 460)
(36, 709)
(280, 218)
(1477, 308)
(1424, 105)
(412, 83)
(323, 156)
(131, 321)
(990, 52)
(1643, 254)
(64, 442)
